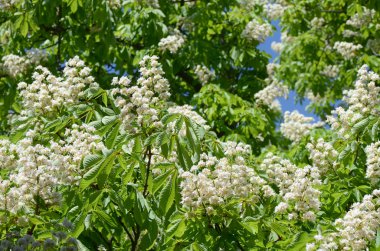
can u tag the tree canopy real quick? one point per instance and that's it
(156, 125)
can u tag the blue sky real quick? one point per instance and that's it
(290, 103)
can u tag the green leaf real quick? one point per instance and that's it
(167, 196)
(93, 173)
(106, 218)
(169, 118)
(359, 126)
(24, 27)
(91, 160)
(111, 138)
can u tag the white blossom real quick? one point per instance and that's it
(275, 10)
(204, 74)
(355, 229)
(373, 162)
(172, 43)
(256, 30)
(37, 170)
(347, 50)
(277, 46)
(323, 155)
(15, 65)
(47, 93)
(362, 19)
(213, 182)
(268, 96)
(330, 71)
(361, 101)
(142, 101)
(317, 23)
(296, 186)
(296, 126)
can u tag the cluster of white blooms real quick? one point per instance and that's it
(214, 182)
(275, 10)
(47, 93)
(302, 194)
(280, 172)
(204, 74)
(317, 23)
(296, 126)
(314, 98)
(37, 170)
(189, 112)
(255, 30)
(271, 69)
(277, 46)
(142, 100)
(296, 187)
(172, 43)
(15, 65)
(330, 71)
(36, 56)
(268, 96)
(7, 4)
(362, 19)
(236, 150)
(346, 49)
(350, 33)
(323, 155)
(361, 103)
(355, 229)
(373, 162)
(114, 4)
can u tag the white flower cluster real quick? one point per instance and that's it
(373, 162)
(151, 3)
(296, 187)
(255, 30)
(142, 100)
(361, 103)
(346, 49)
(204, 74)
(6, 4)
(271, 69)
(350, 33)
(330, 71)
(236, 150)
(296, 126)
(355, 229)
(323, 155)
(15, 65)
(268, 96)
(275, 10)
(214, 182)
(114, 4)
(172, 43)
(317, 23)
(37, 170)
(47, 93)
(277, 46)
(315, 98)
(279, 171)
(362, 19)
